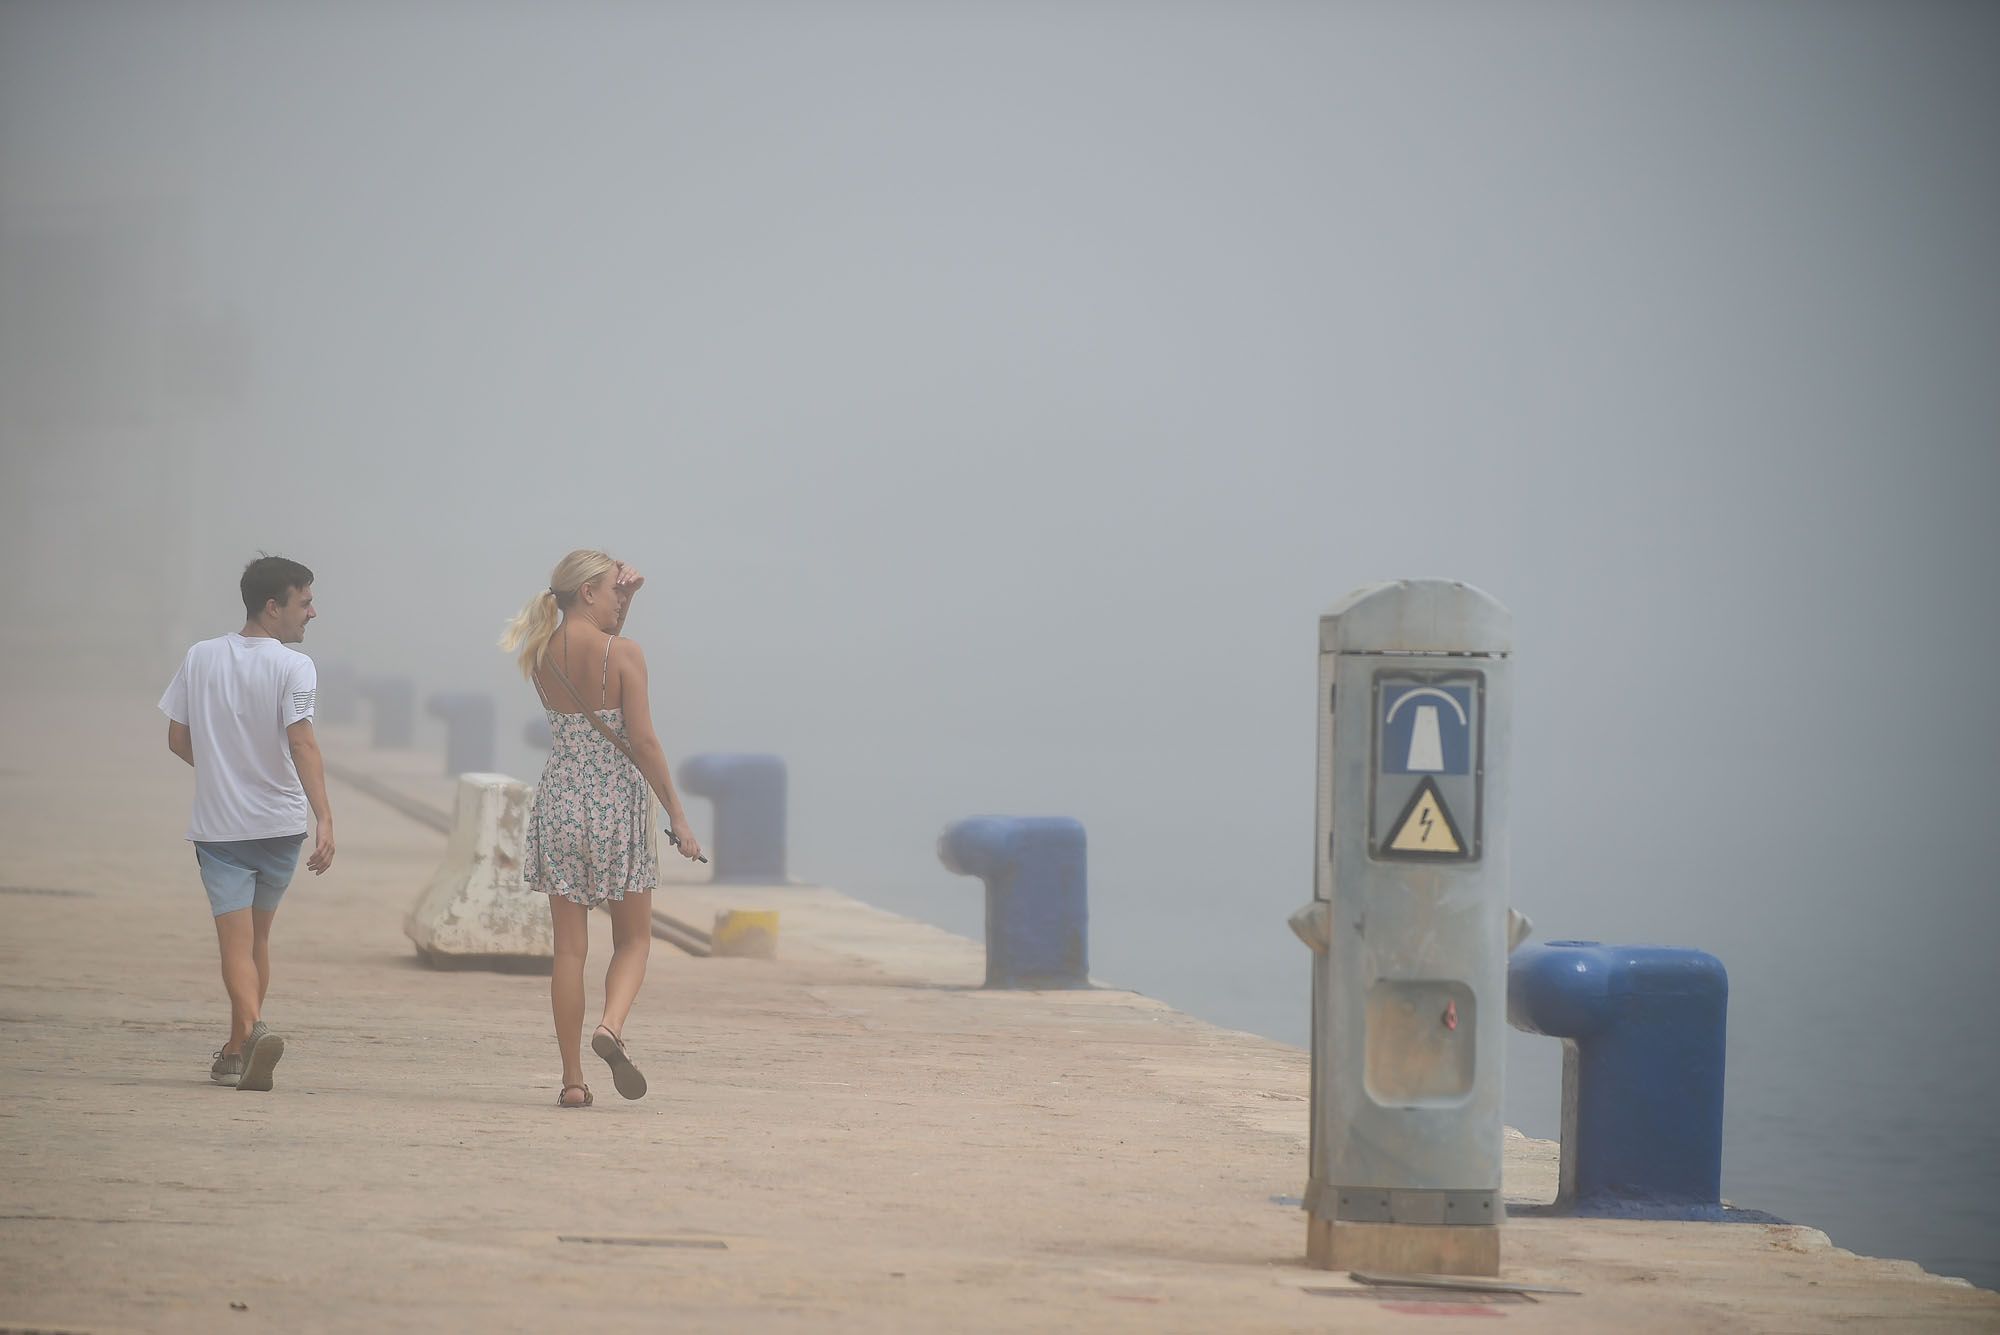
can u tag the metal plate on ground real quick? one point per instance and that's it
(699, 1244)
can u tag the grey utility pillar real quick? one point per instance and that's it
(1409, 931)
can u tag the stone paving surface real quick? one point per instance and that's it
(853, 1137)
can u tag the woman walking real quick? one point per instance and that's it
(590, 833)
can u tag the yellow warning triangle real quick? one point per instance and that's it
(1426, 827)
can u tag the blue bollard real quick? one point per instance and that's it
(1037, 896)
(468, 730)
(392, 710)
(1644, 1031)
(748, 793)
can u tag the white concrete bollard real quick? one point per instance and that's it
(476, 913)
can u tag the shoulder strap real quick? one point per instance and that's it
(595, 721)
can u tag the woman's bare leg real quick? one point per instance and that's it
(631, 941)
(572, 926)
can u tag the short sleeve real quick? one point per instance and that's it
(301, 687)
(174, 704)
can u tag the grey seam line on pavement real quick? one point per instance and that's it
(89, 1219)
(421, 812)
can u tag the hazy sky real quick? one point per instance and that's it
(995, 394)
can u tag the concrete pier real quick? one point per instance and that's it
(854, 1136)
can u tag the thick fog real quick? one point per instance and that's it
(994, 395)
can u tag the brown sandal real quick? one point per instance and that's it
(624, 1074)
(562, 1102)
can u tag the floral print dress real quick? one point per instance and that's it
(590, 829)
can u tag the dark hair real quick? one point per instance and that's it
(270, 577)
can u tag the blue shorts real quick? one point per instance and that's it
(248, 873)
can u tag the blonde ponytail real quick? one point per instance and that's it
(531, 630)
(535, 625)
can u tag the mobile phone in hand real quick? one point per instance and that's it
(675, 839)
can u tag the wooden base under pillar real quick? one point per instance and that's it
(1403, 1249)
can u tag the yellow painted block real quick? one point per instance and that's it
(749, 933)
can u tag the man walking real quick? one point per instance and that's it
(240, 711)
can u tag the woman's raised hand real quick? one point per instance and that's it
(626, 581)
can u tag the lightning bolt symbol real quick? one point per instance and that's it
(1424, 819)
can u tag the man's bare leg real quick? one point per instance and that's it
(235, 936)
(260, 950)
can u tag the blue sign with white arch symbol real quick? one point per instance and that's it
(1426, 729)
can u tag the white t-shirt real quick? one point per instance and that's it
(237, 695)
